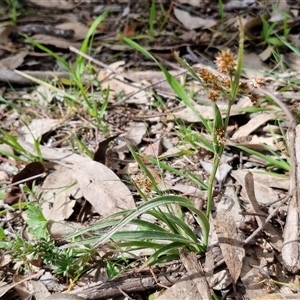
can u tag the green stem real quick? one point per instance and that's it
(212, 176)
(232, 98)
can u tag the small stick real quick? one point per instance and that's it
(270, 216)
(23, 180)
(292, 127)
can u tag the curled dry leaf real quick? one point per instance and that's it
(100, 153)
(231, 243)
(31, 170)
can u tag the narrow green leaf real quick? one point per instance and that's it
(163, 200)
(280, 163)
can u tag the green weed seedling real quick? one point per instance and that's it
(72, 263)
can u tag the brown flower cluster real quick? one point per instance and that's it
(219, 85)
(225, 62)
(220, 134)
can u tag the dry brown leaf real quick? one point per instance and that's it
(266, 54)
(59, 230)
(52, 283)
(32, 169)
(5, 32)
(39, 289)
(193, 285)
(24, 288)
(258, 143)
(263, 193)
(55, 4)
(290, 250)
(154, 150)
(5, 288)
(102, 188)
(64, 296)
(207, 112)
(183, 290)
(100, 153)
(251, 276)
(192, 22)
(5, 260)
(117, 86)
(80, 30)
(222, 171)
(231, 243)
(43, 95)
(37, 128)
(155, 78)
(174, 151)
(252, 125)
(230, 202)
(280, 12)
(191, 2)
(54, 41)
(275, 237)
(221, 280)
(186, 190)
(64, 156)
(267, 179)
(136, 132)
(238, 4)
(14, 61)
(60, 191)
(292, 58)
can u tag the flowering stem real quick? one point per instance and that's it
(232, 97)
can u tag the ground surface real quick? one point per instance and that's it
(94, 102)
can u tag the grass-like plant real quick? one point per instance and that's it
(226, 87)
(166, 238)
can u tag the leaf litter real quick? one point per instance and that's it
(73, 179)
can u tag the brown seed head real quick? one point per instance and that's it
(258, 82)
(225, 62)
(220, 133)
(254, 98)
(244, 87)
(214, 95)
(208, 76)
